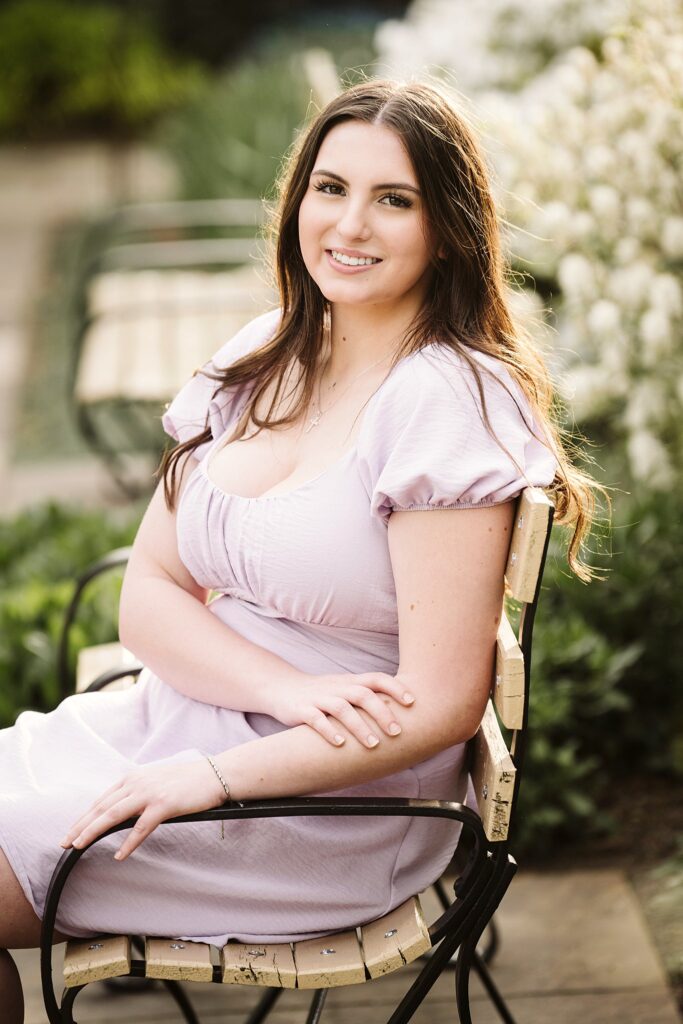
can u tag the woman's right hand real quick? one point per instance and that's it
(326, 701)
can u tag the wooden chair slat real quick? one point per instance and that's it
(493, 777)
(508, 685)
(329, 961)
(145, 357)
(527, 542)
(178, 959)
(87, 960)
(134, 348)
(92, 661)
(396, 939)
(249, 964)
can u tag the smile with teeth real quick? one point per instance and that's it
(353, 261)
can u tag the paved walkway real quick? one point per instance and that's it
(574, 949)
(42, 188)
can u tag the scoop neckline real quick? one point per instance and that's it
(272, 497)
(204, 464)
(337, 464)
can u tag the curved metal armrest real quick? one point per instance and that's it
(115, 558)
(111, 675)
(281, 808)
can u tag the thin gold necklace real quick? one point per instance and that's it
(315, 419)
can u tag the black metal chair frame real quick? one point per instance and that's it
(478, 890)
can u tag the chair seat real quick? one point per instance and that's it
(333, 960)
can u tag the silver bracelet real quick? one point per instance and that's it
(223, 784)
(222, 780)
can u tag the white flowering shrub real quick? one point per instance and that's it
(496, 44)
(587, 152)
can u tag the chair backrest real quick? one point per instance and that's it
(495, 769)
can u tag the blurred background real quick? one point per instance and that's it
(139, 147)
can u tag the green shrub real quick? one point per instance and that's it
(604, 701)
(42, 551)
(68, 67)
(231, 140)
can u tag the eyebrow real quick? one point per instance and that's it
(375, 188)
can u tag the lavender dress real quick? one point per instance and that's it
(305, 574)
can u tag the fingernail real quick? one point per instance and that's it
(118, 855)
(408, 698)
(372, 741)
(394, 728)
(338, 739)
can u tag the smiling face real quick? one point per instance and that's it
(361, 224)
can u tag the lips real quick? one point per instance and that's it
(353, 252)
(351, 262)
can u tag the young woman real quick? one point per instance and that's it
(344, 479)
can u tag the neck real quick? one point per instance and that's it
(362, 335)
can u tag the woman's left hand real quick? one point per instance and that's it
(155, 793)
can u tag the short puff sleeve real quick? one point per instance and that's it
(424, 444)
(195, 407)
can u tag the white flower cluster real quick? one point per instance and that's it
(588, 154)
(496, 44)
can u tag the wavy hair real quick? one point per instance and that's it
(468, 302)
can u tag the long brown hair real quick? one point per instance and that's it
(467, 307)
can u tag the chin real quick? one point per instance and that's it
(347, 287)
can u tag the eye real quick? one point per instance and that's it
(324, 185)
(401, 201)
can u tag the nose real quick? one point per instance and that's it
(353, 222)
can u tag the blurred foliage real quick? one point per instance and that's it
(231, 139)
(42, 551)
(221, 148)
(67, 68)
(217, 32)
(604, 704)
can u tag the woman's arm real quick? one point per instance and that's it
(448, 566)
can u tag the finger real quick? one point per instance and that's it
(98, 808)
(395, 687)
(118, 812)
(378, 710)
(327, 729)
(95, 812)
(145, 824)
(340, 709)
(83, 823)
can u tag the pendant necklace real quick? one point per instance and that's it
(315, 419)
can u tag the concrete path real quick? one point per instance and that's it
(42, 188)
(574, 948)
